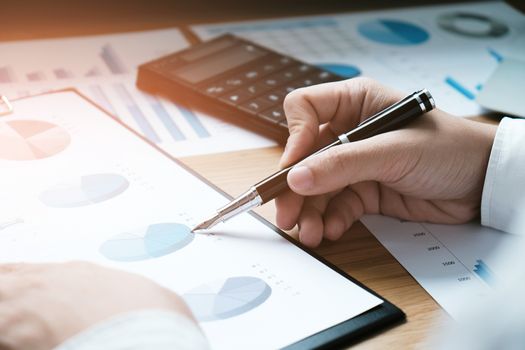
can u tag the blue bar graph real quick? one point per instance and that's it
(497, 56)
(459, 88)
(137, 113)
(61, 73)
(112, 61)
(166, 119)
(482, 270)
(194, 122)
(100, 97)
(6, 75)
(35, 76)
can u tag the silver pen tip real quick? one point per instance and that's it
(206, 224)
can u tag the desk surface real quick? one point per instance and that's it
(358, 252)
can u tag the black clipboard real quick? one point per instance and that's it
(344, 333)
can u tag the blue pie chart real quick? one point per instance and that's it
(343, 70)
(222, 299)
(393, 32)
(149, 242)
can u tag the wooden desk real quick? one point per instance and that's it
(358, 252)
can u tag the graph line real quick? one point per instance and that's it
(137, 114)
(113, 62)
(101, 98)
(194, 122)
(459, 88)
(6, 75)
(166, 119)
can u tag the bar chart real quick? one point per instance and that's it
(449, 261)
(106, 73)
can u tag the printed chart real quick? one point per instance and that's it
(106, 73)
(449, 261)
(393, 32)
(89, 189)
(31, 139)
(428, 47)
(227, 298)
(146, 243)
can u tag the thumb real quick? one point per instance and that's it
(381, 158)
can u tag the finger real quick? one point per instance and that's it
(382, 158)
(344, 104)
(311, 226)
(342, 211)
(288, 207)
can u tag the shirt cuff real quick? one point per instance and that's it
(140, 330)
(503, 199)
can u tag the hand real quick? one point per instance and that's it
(432, 170)
(43, 305)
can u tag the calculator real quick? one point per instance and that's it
(234, 79)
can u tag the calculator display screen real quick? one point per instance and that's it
(218, 63)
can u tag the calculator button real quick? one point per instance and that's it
(214, 90)
(255, 106)
(275, 114)
(271, 82)
(304, 82)
(235, 97)
(234, 82)
(303, 69)
(256, 89)
(251, 74)
(274, 97)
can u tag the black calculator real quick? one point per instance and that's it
(234, 79)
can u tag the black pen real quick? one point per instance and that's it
(389, 119)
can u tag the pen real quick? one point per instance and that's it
(391, 118)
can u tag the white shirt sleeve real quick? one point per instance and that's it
(140, 330)
(502, 203)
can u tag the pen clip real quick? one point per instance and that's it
(5, 106)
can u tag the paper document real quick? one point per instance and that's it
(455, 264)
(104, 67)
(451, 50)
(104, 195)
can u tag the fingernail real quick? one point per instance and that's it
(301, 178)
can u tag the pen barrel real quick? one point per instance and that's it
(273, 186)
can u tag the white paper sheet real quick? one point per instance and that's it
(104, 68)
(77, 185)
(405, 48)
(456, 264)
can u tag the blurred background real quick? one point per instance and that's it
(22, 19)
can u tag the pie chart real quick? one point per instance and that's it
(223, 299)
(146, 243)
(89, 189)
(393, 32)
(31, 139)
(344, 70)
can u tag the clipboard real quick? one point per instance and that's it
(345, 333)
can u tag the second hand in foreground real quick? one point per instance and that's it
(389, 119)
